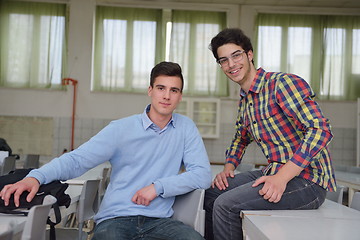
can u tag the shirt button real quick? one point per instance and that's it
(250, 104)
(267, 156)
(259, 140)
(254, 122)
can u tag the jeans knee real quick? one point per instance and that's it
(220, 205)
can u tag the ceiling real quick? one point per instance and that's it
(288, 3)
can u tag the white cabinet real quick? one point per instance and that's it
(204, 112)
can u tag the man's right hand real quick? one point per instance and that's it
(220, 181)
(29, 184)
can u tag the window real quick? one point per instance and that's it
(32, 44)
(130, 41)
(324, 50)
(125, 47)
(192, 32)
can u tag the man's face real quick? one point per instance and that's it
(236, 63)
(165, 95)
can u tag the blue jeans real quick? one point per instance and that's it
(141, 227)
(223, 207)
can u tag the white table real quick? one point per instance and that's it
(330, 221)
(94, 173)
(350, 180)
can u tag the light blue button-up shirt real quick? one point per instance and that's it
(140, 154)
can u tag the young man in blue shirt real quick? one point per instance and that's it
(146, 152)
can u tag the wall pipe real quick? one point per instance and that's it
(70, 81)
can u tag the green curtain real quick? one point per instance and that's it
(191, 34)
(32, 44)
(324, 50)
(126, 44)
(130, 41)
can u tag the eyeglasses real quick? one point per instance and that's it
(236, 56)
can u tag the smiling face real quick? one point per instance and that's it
(240, 71)
(165, 95)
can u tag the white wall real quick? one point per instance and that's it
(24, 102)
(95, 105)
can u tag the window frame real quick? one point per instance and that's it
(309, 11)
(229, 9)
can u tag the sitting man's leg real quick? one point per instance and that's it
(212, 194)
(116, 228)
(170, 229)
(299, 194)
(141, 227)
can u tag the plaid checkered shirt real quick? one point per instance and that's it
(279, 113)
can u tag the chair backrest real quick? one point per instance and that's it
(9, 233)
(88, 203)
(35, 225)
(105, 180)
(188, 208)
(32, 161)
(355, 202)
(336, 196)
(8, 165)
(86, 208)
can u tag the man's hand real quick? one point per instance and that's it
(275, 185)
(29, 184)
(145, 195)
(220, 181)
(273, 189)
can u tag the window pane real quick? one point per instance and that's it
(114, 47)
(32, 44)
(191, 34)
(21, 26)
(125, 48)
(269, 47)
(144, 52)
(356, 52)
(51, 64)
(299, 51)
(180, 40)
(205, 70)
(333, 76)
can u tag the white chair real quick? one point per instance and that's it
(85, 211)
(104, 182)
(355, 202)
(8, 165)
(9, 233)
(35, 225)
(336, 196)
(32, 161)
(188, 208)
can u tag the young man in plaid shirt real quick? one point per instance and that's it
(277, 111)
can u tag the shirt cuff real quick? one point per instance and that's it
(158, 188)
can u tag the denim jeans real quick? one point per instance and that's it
(141, 227)
(223, 207)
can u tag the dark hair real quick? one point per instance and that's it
(230, 35)
(166, 69)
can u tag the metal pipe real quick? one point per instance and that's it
(70, 81)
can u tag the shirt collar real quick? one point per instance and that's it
(146, 121)
(257, 83)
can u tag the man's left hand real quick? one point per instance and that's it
(273, 189)
(145, 195)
